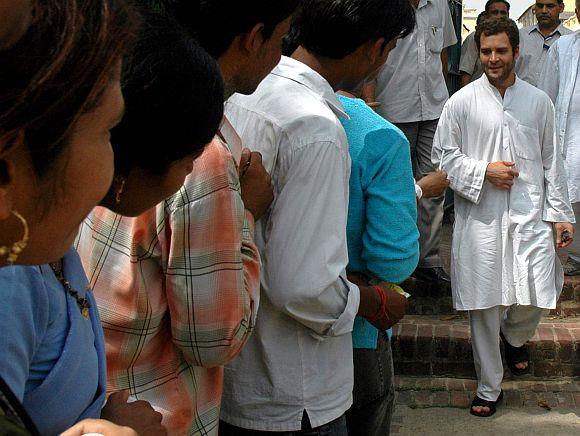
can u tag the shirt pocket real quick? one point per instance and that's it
(435, 38)
(528, 154)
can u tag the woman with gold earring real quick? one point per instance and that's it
(57, 341)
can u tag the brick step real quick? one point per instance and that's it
(441, 346)
(457, 392)
(435, 299)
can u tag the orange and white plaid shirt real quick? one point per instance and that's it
(178, 292)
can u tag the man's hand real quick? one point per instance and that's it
(256, 183)
(434, 184)
(501, 174)
(99, 426)
(370, 302)
(138, 415)
(564, 234)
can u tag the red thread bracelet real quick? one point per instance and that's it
(382, 310)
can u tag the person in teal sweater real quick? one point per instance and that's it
(383, 245)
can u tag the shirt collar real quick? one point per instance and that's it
(301, 73)
(558, 29)
(495, 91)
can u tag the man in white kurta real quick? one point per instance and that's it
(498, 145)
(560, 80)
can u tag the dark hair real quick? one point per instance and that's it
(174, 97)
(336, 28)
(497, 26)
(482, 16)
(58, 70)
(490, 2)
(216, 23)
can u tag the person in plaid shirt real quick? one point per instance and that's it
(178, 287)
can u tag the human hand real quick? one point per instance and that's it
(256, 183)
(138, 414)
(358, 279)
(433, 184)
(382, 311)
(99, 426)
(501, 174)
(564, 234)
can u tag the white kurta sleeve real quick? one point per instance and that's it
(550, 77)
(466, 175)
(557, 207)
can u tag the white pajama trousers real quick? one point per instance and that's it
(517, 323)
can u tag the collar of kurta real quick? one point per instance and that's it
(495, 91)
(301, 73)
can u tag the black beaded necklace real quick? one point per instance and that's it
(83, 303)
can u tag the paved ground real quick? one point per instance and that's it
(507, 421)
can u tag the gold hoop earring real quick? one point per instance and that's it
(121, 180)
(17, 248)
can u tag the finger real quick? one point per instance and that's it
(246, 154)
(508, 163)
(257, 157)
(119, 397)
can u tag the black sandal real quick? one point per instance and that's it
(515, 355)
(479, 402)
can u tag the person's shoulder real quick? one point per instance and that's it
(533, 94)
(25, 286)
(526, 30)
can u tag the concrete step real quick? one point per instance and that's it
(441, 346)
(423, 392)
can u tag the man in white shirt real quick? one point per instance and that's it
(412, 91)
(536, 40)
(497, 142)
(561, 80)
(296, 372)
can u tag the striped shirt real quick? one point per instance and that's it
(178, 291)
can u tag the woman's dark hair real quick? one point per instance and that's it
(216, 23)
(497, 26)
(336, 28)
(174, 97)
(58, 70)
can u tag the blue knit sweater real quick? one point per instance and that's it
(382, 235)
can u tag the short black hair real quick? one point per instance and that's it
(174, 97)
(497, 26)
(490, 2)
(336, 28)
(216, 23)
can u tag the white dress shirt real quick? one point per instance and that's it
(534, 49)
(300, 355)
(503, 250)
(411, 86)
(560, 80)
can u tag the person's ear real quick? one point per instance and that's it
(376, 50)
(6, 201)
(253, 41)
(516, 53)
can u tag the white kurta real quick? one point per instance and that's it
(560, 80)
(503, 249)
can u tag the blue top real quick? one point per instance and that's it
(382, 235)
(52, 358)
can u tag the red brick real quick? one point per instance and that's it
(549, 398)
(565, 399)
(513, 398)
(422, 398)
(404, 398)
(440, 399)
(571, 387)
(575, 332)
(455, 384)
(530, 398)
(408, 330)
(459, 399)
(546, 334)
(460, 332)
(425, 331)
(442, 331)
(563, 336)
(538, 387)
(576, 396)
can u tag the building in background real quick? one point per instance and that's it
(568, 17)
(469, 18)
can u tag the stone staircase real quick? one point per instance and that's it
(434, 361)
